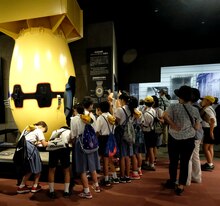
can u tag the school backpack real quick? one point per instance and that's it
(129, 133)
(157, 125)
(111, 145)
(88, 140)
(20, 157)
(56, 141)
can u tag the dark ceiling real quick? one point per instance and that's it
(151, 26)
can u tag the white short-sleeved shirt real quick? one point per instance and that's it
(120, 114)
(147, 119)
(101, 124)
(35, 136)
(77, 126)
(211, 112)
(93, 118)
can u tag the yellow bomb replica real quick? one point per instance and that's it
(42, 76)
(40, 68)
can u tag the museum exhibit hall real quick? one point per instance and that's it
(62, 61)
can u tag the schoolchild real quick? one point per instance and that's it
(149, 134)
(87, 103)
(208, 125)
(61, 155)
(125, 148)
(33, 138)
(138, 148)
(103, 128)
(83, 162)
(159, 114)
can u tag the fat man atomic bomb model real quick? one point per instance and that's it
(41, 65)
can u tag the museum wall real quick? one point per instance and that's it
(145, 68)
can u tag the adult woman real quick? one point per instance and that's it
(181, 137)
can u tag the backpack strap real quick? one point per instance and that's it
(108, 125)
(24, 133)
(151, 116)
(59, 133)
(163, 103)
(127, 117)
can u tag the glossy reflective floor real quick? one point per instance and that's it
(145, 192)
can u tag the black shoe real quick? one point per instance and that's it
(178, 190)
(122, 180)
(169, 185)
(66, 194)
(207, 167)
(150, 168)
(107, 183)
(128, 179)
(52, 195)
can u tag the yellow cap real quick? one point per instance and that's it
(149, 99)
(210, 98)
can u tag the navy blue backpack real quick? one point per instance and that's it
(88, 140)
(111, 145)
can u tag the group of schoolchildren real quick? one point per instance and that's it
(110, 114)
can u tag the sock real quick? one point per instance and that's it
(106, 178)
(35, 185)
(51, 186)
(152, 165)
(210, 164)
(96, 184)
(135, 172)
(21, 185)
(86, 190)
(139, 168)
(114, 175)
(66, 187)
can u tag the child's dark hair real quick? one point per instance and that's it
(86, 102)
(156, 101)
(104, 106)
(79, 108)
(124, 96)
(42, 124)
(132, 104)
(149, 104)
(141, 102)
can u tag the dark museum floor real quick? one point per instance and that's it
(146, 191)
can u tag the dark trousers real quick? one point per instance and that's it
(179, 151)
